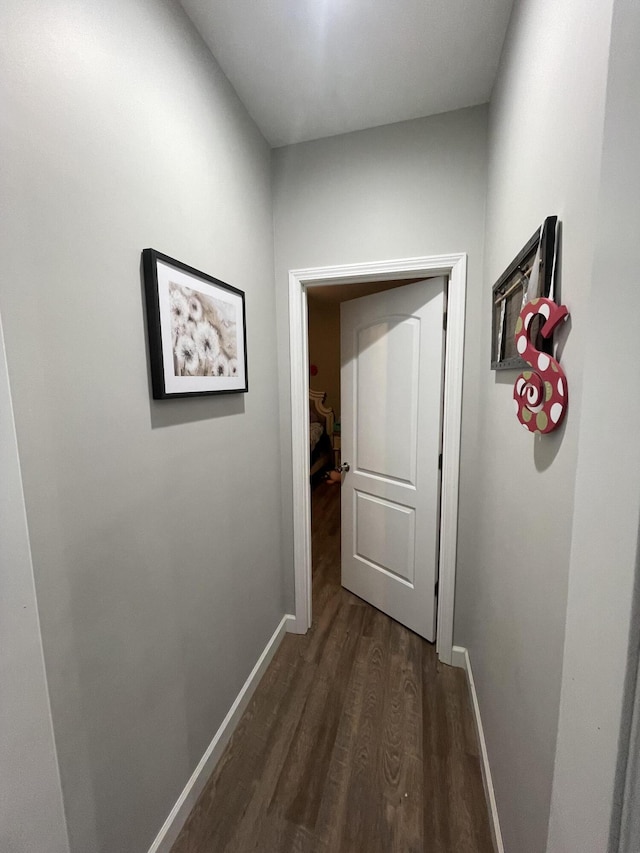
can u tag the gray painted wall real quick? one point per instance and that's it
(154, 602)
(399, 191)
(31, 812)
(155, 527)
(604, 545)
(545, 139)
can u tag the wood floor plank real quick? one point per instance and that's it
(333, 815)
(367, 828)
(405, 767)
(301, 783)
(356, 740)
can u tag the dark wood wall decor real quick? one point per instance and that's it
(511, 291)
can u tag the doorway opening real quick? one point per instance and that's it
(398, 273)
(325, 321)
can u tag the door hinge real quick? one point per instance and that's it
(439, 462)
(435, 589)
(444, 321)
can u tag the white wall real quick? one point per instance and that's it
(604, 546)
(155, 526)
(545, 138)
(31, 812)
(399, 191)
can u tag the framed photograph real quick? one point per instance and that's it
(530, 274)
(197, 330)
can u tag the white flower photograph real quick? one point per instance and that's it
(196, 325)
(203, 331)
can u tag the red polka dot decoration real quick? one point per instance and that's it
(540, 395)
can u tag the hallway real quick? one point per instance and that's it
(356, 740)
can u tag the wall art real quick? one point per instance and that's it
(197, 330)
(531, 274)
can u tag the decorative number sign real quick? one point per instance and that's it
(540, 395)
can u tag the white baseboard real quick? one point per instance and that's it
(460, 658)
(187, 799)
(297, 626)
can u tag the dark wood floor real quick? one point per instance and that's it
(356, 740)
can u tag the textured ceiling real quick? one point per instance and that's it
(312, 68)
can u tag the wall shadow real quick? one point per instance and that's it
(184, 410)
(547, 447)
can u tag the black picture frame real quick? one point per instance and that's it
(196, 326)
(507, 295)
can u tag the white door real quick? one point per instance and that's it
(391, 400)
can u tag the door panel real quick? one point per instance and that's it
(391, 376)
(385, 535)
(389, 452)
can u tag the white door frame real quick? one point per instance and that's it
(455, 267)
